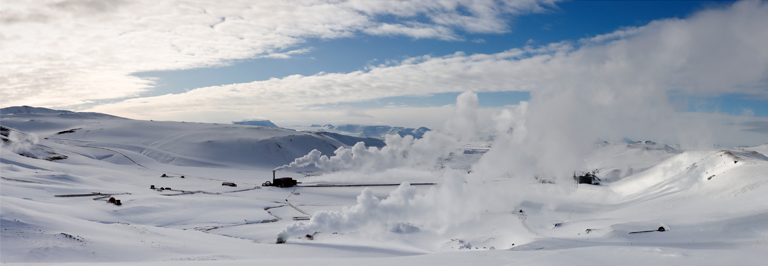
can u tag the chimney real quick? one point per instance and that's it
(273, 176)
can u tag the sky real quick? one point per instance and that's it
(401, 63)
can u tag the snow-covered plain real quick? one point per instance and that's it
(711, 203)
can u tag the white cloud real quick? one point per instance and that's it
(716, 51)
(415, 30)
(288, 54)
(59, 53)
(355, 112)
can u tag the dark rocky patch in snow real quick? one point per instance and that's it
(68, 131)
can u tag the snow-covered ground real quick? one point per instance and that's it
(710, 203)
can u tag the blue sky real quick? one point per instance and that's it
(569, 21)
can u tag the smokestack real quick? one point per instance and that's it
(273, 176)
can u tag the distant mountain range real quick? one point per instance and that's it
(371, 131)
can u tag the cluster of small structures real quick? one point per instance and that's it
(114, 201)
(98, 196)
(160, 188)
(163, 188)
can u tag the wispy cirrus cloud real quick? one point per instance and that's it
(59, 53)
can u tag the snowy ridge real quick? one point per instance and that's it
(261, 123)
(175, 143)
(31, 110)
(711, 173)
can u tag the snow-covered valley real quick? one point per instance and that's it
(655, 204)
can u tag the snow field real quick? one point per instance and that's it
(711, 203)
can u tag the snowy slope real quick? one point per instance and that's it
(261, 123)
(616, 161)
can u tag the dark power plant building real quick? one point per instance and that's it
(280, 182)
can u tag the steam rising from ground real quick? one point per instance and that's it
(403, 151)
(403, 211)
(465, 122)
(21, 143)
(398, 152)
(453, 202)
(547, 139)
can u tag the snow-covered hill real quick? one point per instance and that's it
(261, 123)
(175, 143)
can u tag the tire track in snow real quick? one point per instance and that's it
(267, 209)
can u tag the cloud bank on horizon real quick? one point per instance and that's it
(87, 51)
